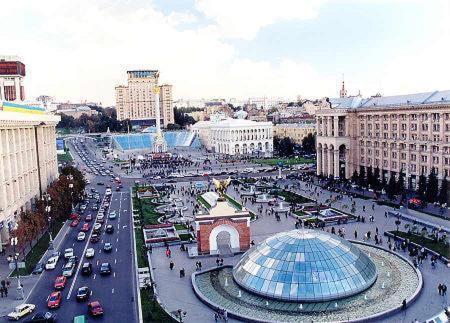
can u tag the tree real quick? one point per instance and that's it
(376, 178)
(422, 187)
(400, 182)
(392, 187)
(431, 193)
(182, 118)
(370, 176)
(283, 147)
(355, 177)
(384, 181)
(362, 176)
(309, 143)
(443, 192)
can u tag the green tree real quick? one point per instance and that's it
(376, 178)
(400, 182)
(392, 187)
(370, 176)
(384, 181)
(443, 193)
(283, 147)
(355, 177)
(309, 143)
(422, 187)
(362, 176)
(431, 193)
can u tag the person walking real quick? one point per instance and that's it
(440, 289)
(356, 234)
(444, 289)
(171, 265)
(1, 291)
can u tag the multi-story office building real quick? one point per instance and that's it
(295, 131)
(12, 72)
(136, 100)
(27, 159)
(403, 133)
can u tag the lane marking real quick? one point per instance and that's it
(95, 275)
(114, 274)
(115, 261)
(112, 291)
(116, 249)
(124, 226)
(117, 240)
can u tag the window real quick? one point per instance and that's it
(413, 157)
(436, 138)
(424, 158)
(403, 156)
(424, 126)
(435, 160)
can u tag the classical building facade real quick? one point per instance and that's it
(136, 101)
(27, 159)
(12, 73)
(404, 133)
(236, 136)
(295, 131)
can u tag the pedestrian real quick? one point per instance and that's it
(182, 273)
(6, 291)
(1, 291)
(444, 289)
(171, 265)
(356, 234)
(217, 261)
(216, 316)
(199, 265)
(221, 261)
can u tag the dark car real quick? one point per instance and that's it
(95, 308)
(83, 294)
(86, 270)
(109, 228)
(105, 268)
(38, 269)
(95, 238)
(107, 247)
(100, 183)
(42, 317)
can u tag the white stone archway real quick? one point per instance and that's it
(234, 237)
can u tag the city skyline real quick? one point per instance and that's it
(210, 49)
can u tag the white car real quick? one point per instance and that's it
(81, 236)
(68, 253)
(20, 311)
(52, 261)
(108, 192)
(90, 252)
(112, 215)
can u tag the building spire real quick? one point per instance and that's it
(343, 91)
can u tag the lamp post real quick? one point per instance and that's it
(46, 197)
(70, 178)
(14, 242)
(180, 314)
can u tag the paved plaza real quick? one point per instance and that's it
(176, 293)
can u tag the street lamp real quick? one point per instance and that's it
(70, 178)
(20, 294)
(180, 314)
(46, 197)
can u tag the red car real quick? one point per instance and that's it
(95, 308)
(85, 227)
(54, 300)
(88, 218)
(74, 216)
(60, 282)
(74, 223)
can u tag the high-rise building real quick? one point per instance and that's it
(402, 133)
(136, 100)
(12, 72)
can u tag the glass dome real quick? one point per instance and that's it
(305, 265)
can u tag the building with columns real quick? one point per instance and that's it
(294, 131)
(12, 73)
(402, 133)
(136, 100)
(27, 159)
(236, 136)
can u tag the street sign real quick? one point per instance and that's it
(20, 264)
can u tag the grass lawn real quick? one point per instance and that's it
(185, 236)
(151, 311)
(285, 161)
(36, 253)
(180, 227)
(203, 202)
(65, 158)
(293, 197)
(141, 256)
(233, 202)
(299, 213)
(425, 242)
(148, 211)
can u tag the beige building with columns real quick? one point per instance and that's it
(27, 159)
(409, 133)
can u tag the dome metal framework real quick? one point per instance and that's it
(305, 265)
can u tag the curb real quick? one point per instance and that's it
(136, 271)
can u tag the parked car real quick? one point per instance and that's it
(20, 311)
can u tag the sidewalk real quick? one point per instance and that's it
(28, 282)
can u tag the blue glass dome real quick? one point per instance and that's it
(305, 265)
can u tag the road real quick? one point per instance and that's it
(116, 292)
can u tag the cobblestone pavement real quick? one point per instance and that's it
(176, 292)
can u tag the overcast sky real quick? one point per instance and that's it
(76, 50)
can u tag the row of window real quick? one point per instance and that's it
(413, 116)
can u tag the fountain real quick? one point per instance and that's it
(365, 297)
(383, 286)
(267, 303)
(300, 306)
(389, 274)
(281, 208)
(226, 281)
(250, 192)
(239, 294)
(264, 198)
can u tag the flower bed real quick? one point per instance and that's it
(291, 197)
(440, 248)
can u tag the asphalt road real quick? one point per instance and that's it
(116, 292)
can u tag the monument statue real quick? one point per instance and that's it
(221, 186)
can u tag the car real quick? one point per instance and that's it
(68, 269)
(112, 215)
(90, 252)
(68, 253)
(81, 236)
(52, 261)
(60, 282)
(94, 208)
(109, 228)
(54, 300)
(83, 207)
(42, 317)
(100, 183)
(117, 189)
(85, 227)
(83, 294)
(74, 216)
(107, 247)
(105, 269)
(108, 191)
(88, 218)
(74, 223)
(95, 238)
(86, 269)
(95, 308)
(21, 311)
(93, 190)
(38, 269)
(100, 218)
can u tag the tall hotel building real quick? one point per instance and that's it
(136, 101)
(27, 148)
(403, 133)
